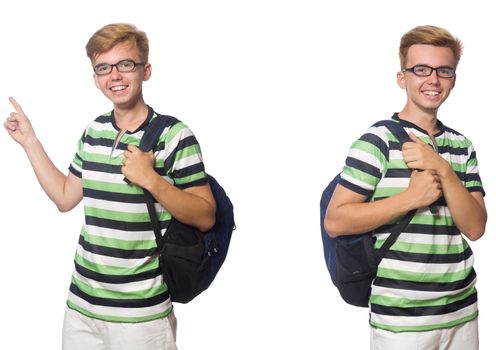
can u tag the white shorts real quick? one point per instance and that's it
(82, 333)
(462, 337)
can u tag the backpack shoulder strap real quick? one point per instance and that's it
(153, 131)
(395, 232)
(150, 137)
(397, 130)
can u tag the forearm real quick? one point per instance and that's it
(186, 207)
(468, 213)
(360, 217)
(51, 179)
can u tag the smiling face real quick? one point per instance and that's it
(124, 89)
(426, 94)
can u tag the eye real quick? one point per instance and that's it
(127, 64)
(446, 71)
(422, 70)
(102, 68)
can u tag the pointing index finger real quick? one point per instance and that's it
(16, 105)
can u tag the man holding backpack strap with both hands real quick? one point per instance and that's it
(424, 295)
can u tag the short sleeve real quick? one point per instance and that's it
(76, 166)
(366, 162)
(473, 181)
(178, 156)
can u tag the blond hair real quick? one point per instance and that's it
(116, 33)
(430, 35)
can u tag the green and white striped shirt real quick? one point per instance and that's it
(117, 276)
(426, 281)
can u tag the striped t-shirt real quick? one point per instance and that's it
(426, 280)
(117, 276)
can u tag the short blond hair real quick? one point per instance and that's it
(116, 33)
(430, 35)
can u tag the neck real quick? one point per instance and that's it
(427, 120)
(130, 118)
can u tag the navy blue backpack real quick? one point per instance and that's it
(189, 259)
(352, 260)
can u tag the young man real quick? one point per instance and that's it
(424, 295)
(117, 297)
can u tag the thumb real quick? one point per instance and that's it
(415, 138)
(132, 148)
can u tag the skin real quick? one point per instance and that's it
(194, 206)
(348, 213)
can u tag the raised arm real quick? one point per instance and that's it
(64, 190)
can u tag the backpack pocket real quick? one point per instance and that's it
(356, 267)
(184, 262)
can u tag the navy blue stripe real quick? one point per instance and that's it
(117, 279)
(109, 168)
(472, 177)
(102, 167)
(430, 258)
(89, 140)
(199, 182)
(355, 188)
(124, 146)
(74, 171)
(121, 225)
(398, 173)
(422, 229)
(477, 189)
(78, 157)
(186, 142)
(472, 156)
(377, 142)
(123, 303)
(362, 166)
(187, 171)
(394, 146)
(426, 310)
(104, 119)
(426, 287)
(114, 196)
(461, 176)
(459, 151)
(116, 252)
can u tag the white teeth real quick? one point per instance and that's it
(431, 93)
(118, 88)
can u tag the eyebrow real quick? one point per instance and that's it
(428, 65)
(124, 59)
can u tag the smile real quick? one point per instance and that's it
(118, 88)
(431, 93)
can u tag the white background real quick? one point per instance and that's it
(275, 91)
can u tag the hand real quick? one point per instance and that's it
(420, 155)
(137, 166)
(424, 188)
(18, 125)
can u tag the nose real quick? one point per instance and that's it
(114, 73)
(433, 78)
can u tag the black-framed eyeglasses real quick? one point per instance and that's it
(422, 70)
(121, 66)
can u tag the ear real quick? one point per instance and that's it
(400, 79)
(148, 71)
